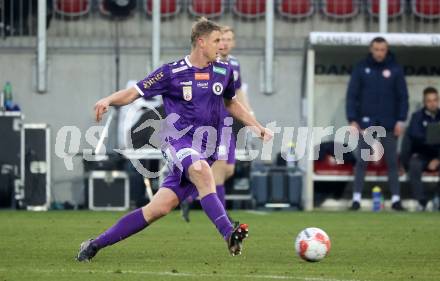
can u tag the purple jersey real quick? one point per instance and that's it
(226, 149)
(235, 65)
(195, 95)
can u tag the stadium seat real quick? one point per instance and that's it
(167, 7)
(207, 8)
(341, 9)
(295, 8)
(428, 9)
(395, 7)
(377, 168)
(72, 7)
(103, 9)
(249, 8)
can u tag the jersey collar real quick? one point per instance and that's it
(190, 65)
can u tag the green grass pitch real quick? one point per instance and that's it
(365, 246)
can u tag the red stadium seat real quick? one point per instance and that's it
(395, 7)
(377, 168)
(249, 8)
(295, 8)
(167, 7)
(207, 8)
(430, 174)
(429, 9)
(328, 166)
(340, 8)
(72, 7)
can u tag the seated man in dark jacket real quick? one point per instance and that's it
(423, 156)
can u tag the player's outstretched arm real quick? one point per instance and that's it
(241, 113)
(121, 97)
(243, 99)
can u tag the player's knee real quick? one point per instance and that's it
(163, 211)
(158, 212)
(201, 176)
(200, 170)
(157, 209)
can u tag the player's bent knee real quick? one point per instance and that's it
(154, 212)
(163, 211)
(199, 170)
(164, 201)
(201, 176)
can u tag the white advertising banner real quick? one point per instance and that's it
(364, 39)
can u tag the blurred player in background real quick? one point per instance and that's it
(224, 167)
(196, 89)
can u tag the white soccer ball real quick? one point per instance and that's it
(312, 244)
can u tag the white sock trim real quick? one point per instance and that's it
(395, 198)
(219, 218)
(357, 196)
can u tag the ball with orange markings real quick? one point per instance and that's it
(312, 244)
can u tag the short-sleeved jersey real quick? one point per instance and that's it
(196, 95)
(235, 65)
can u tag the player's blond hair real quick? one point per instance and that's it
(227, 28)
(203, 27)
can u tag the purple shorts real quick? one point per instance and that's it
(180, 155)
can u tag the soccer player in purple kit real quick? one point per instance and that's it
(197, 108)
(223, 167)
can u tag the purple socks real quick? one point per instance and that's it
(221, 194)
(217, 214)
(128, 225)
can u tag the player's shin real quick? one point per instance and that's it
(128, 225)
(221, 194)
(217, 214)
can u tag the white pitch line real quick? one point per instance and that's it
(261, 213)
(186, 274)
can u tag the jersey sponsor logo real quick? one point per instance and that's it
(386, 73)
(203, 85)
(217, 88)
(179, 69)
(219, 70)
(150, 82)
(236, 75)
(186, 83)
(187, 93)
(185, 152)
(201, 76)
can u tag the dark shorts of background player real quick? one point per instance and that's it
(178, 178)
